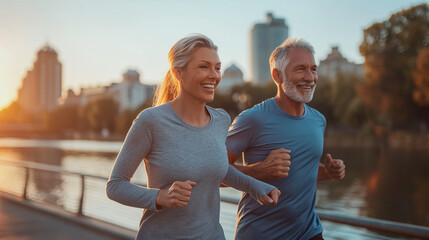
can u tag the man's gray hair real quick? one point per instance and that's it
(279, 55)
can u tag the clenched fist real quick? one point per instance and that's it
(275, 166)
(177, 195)
(335, 168)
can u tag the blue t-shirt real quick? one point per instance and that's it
(256, 132)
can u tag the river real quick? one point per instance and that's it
(385, 184)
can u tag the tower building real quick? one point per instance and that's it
(41, 86)
(264, 38)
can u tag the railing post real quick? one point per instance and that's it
(82, 194)
(27, 180)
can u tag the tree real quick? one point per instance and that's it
(14, 113)
(390, 49)
(421, 78)
(102, 114)
(124, 121)
(421, 81)
(347, 107)
(63, 118)
(243, 96)
(322, 100)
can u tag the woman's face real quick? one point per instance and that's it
(200, 77)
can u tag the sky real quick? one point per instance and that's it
(98, 40)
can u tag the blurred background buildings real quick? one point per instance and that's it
(335, 64)
(385, 94)
(129, 93)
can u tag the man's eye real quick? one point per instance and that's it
(203, 66)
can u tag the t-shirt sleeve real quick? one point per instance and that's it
(240, 132)
(136, 146)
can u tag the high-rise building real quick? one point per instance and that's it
(41, 86)
(335, 64)
(264, 38)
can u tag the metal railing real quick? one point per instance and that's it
(389, 227)
(30, 167)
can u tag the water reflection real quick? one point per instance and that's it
(54, 187)
(388, 184)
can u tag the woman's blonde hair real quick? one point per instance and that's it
(178, 56)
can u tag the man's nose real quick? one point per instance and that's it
(310, 76)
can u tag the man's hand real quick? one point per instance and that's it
(275, 166)
(334, 168)
(272, 197)
(177, 195)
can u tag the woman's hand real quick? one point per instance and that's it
(177, 195)
(272, 197)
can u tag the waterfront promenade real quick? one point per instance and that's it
(26, 220)
(41, 201)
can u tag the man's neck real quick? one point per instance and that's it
(289, 106)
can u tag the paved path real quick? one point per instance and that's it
(18, 222)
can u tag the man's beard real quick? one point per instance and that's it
(291, 90)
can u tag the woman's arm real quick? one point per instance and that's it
(136, 146)
(260, 191)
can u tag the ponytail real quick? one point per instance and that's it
(167, 91)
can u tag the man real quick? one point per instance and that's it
(265, 131)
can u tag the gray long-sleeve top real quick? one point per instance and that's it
(176, 151)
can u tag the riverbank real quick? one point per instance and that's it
(398, 139)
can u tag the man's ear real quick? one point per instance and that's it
(177, 72)
(277, 76)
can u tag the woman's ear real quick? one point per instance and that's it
(177, 71)
(277, 76)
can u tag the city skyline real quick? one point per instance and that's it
(98, 41)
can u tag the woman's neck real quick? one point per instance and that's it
(191, 111)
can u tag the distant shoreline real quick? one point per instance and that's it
(394, 140)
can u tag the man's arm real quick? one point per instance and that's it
(332, 169)
(276, 165)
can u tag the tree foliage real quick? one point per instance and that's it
(421, 78)
(102, 114)
(15, 114)
(63, 118)
(338, 101)
(390, 49)
(243, 96)
(347, 106)
(421, 81)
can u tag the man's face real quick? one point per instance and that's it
(299, 76)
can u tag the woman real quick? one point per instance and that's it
(182, 142)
